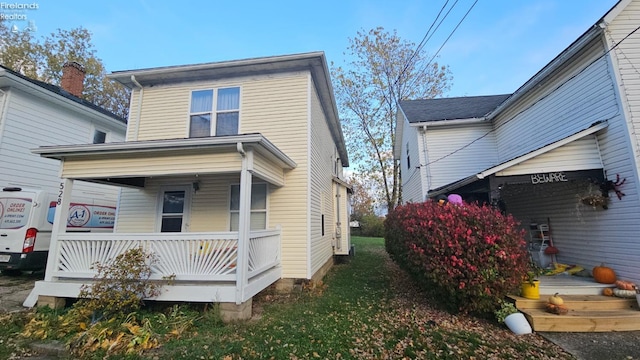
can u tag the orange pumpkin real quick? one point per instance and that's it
(604, 274)
(607, 292)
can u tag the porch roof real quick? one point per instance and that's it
(128, 163)
(512, 163)
(256, 141)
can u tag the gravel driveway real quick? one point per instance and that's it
(15, 289)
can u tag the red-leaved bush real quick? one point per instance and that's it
(471, 255)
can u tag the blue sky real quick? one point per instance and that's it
(499, 45)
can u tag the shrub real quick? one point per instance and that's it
(471, 255)
(119, 287)
(372, 226)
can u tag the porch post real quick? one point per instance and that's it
(244, 223)
(59, 225)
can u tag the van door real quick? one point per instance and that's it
(18, 235)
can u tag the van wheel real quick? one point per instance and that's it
(11, 272)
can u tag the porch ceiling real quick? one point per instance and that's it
(129, 163)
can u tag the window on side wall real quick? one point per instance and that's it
(99, 136)
(408, 158)
(258, 206)
(214, 112)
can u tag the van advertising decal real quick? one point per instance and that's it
(86, 215)
(14, 212)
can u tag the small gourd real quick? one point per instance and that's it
(629, 294)
(556, 300)
(604, 274)
(607, 292)
(624, 285)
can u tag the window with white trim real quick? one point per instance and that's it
(258, 206)
(173, 210)
(214, 112)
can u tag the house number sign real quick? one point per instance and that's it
(548, 178)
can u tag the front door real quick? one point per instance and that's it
(174, 208)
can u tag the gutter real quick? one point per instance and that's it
(451, 122)
(139, 110)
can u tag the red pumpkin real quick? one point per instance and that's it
(604, 274)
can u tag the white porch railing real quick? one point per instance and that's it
(187, 256)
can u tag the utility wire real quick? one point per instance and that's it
(537, 101)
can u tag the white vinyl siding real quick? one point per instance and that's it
(31, 122)
(575, 97)
(585, 236)
(413, 179)
(582, 154)
(476, 151)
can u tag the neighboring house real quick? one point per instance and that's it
(231, 174)
(545, 152)
(34, 113)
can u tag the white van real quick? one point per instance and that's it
(26, 219)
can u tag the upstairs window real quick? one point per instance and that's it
(408, 158)
(214, 112)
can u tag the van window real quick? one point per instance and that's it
(14, 212)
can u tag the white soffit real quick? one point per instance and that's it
(581, 154)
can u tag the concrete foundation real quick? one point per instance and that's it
(51, 301)
(233, 312)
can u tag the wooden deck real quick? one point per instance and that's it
(588, 310)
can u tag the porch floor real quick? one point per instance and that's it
(589, 311)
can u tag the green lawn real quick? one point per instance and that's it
(366, 309)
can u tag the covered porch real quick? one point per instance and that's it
(210, 252)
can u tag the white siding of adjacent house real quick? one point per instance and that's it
(574, 100)
(476, 151)
(414, 178)
(582, 154)
(29, 122)
(571, 101)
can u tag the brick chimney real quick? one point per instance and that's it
(72, 78)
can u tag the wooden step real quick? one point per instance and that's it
(570, 285)
(584, 320)
(579, 302)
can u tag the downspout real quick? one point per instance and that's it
(426, 162)
(138, 112)
(338, 223)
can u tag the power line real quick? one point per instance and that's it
(537, 101)
(448, 37)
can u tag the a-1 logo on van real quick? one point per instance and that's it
(79, 215)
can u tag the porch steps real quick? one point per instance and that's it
(587, 313)
(570, 285)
